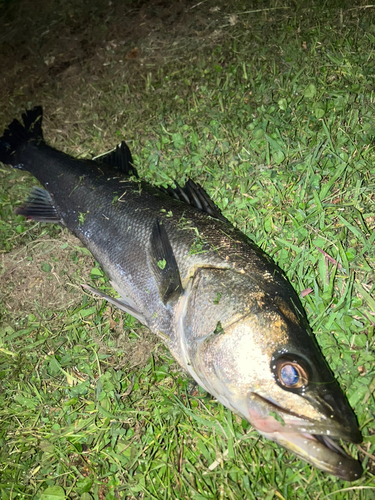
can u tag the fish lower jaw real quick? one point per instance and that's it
(320, 451)
(310, 441)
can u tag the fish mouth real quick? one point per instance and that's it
(315, 447)
(321, 451)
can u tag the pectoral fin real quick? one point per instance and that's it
(120, 303)
(163, 263)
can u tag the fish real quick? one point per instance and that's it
(222, 306)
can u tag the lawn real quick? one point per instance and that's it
(270, 106)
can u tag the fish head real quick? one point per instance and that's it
(257, 355)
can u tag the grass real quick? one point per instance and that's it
(273, 112)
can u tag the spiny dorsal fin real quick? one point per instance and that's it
(39, 206)
(119, 158)
(193, 194)
(163, 263)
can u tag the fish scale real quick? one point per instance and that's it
(226, 311)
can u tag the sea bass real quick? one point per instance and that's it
(225, 310)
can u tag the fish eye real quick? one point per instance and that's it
(291, 374)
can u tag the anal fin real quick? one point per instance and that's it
(39, 206)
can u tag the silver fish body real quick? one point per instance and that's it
(225, 310)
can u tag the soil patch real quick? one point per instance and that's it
(43, 276)
(44, 44)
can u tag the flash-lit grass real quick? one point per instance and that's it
(273, 113)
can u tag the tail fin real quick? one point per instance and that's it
(17, 134)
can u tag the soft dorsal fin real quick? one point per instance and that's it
(120, 158)
(193, 194)
(163, 263)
